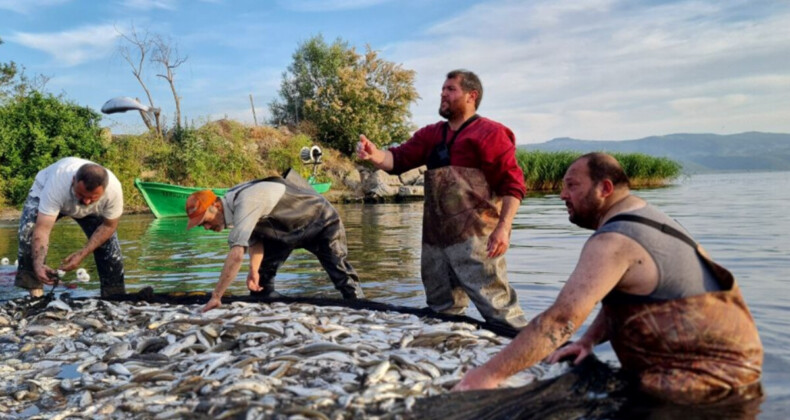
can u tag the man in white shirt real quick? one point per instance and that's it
(92, 196)
(271, 217)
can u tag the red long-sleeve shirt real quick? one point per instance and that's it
(484, 144)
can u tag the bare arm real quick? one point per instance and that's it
(599, 269)
(381, 159)
(229, 271)
(101, 235)
(256, 257)
(499, 241)
(596, 334)
(44, 225)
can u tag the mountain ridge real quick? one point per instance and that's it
(706, 152)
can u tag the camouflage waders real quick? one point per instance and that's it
(304, 219)
(109, 261)
(460, 214)
(698, 349)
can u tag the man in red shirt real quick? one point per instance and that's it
(473, 188)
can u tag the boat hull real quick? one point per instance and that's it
(168, 200)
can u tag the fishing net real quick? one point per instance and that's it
(590, 390)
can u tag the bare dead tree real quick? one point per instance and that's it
(134, 50)
(166, 54)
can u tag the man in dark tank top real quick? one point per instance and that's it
(676, 320)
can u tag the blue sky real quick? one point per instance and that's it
(589, 69)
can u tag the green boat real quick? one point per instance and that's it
(168, 200)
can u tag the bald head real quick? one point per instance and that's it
(92, 176)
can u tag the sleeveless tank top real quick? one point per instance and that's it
(681, 272)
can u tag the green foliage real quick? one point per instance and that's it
(37, 130)
(7, 73)
(344, 94)
(287, 155)
(15, 84)
(216, 154)
(130, 156)
(543, 171)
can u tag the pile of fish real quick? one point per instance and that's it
(96, 358)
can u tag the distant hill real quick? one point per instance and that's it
(751, 151)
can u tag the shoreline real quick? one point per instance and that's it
(343, 196)
(8, 213)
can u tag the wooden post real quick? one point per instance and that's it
(254, 118)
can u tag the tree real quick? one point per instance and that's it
(344, 94)
(7, 73)
(167, 55)
(135, 48)
(38, 129)
(14, 83)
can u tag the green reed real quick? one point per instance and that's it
(543, 171)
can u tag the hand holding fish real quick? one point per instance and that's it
(380, 158)
(365, 148)
(46, 274)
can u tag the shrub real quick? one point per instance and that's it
(38, 129)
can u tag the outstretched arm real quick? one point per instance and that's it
(600, 268)
(381, 159)
(101, 235)
(229, 271)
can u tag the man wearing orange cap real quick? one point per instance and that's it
(271, 217)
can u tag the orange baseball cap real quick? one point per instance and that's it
(197, 204)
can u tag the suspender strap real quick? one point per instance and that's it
(452, 140)
(669, 230)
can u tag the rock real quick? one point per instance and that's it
(410, 177)
(380, 184)
(411, 191)
(353, 179)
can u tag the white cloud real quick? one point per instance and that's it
(328, 5)
(28, 6)
(72, 47)
(151, 4)
(609, 70)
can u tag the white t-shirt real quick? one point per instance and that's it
(53, 188)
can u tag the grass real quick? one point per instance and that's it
(218, 154)
(224, 153)
(543, 171)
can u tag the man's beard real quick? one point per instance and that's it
(448, 113)
(587, 214)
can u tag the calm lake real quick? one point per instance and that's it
(742, 219)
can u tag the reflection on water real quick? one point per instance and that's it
(384, 247)
(741, 219)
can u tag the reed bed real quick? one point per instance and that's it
(543, 171)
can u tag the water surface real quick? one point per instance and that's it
(741, 219)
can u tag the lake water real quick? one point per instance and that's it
(742, 220)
